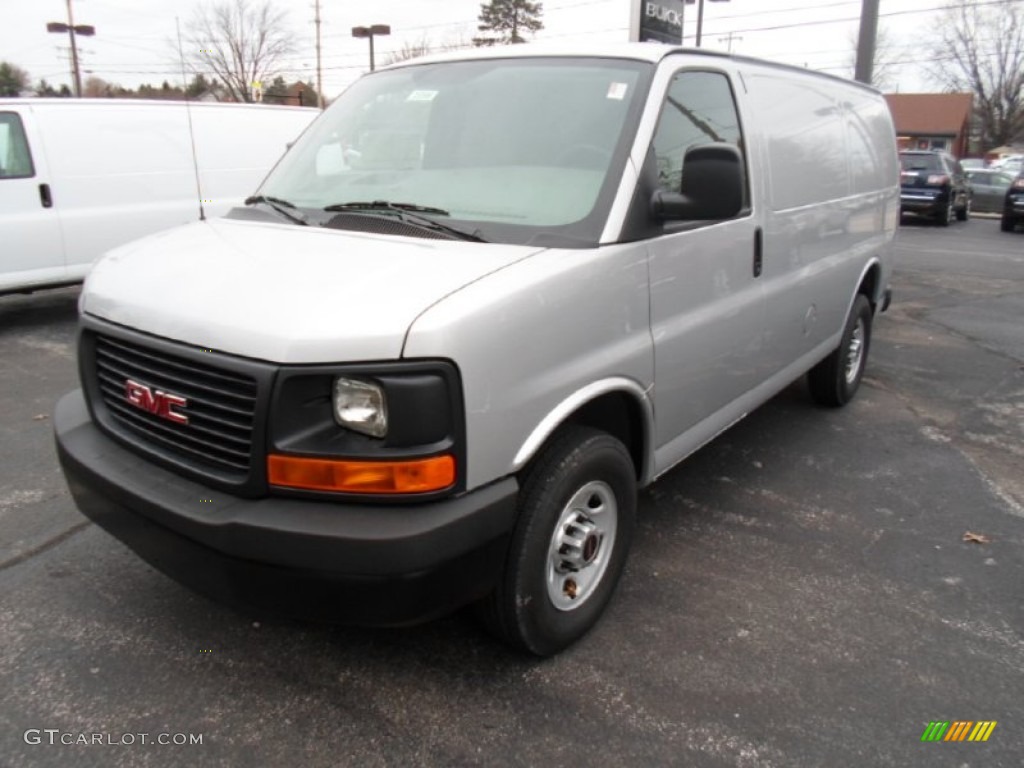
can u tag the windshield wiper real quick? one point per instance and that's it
(410, 213)
(387, 205)
(281, 206)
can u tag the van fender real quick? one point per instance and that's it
(879, 291)
(571, 404)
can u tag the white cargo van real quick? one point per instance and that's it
(481, 301)
(80, 176)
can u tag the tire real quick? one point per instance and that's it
(834, 381)
(945, 216)
(964, 213)
(577, 506)
(1007, 224)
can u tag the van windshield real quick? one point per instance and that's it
(518, 150)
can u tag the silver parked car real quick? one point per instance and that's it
(989, 189)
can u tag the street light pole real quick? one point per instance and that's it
(82, 29)
(370, 32)
(700, 17)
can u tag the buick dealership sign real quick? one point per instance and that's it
(658, 20)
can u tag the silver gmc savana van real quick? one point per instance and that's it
(482, 300)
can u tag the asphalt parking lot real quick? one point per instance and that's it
(800, 592)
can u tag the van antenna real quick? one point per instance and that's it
(188, 113)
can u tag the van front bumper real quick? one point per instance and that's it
(364, 564)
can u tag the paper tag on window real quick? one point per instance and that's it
(421, 96)
(617, 91)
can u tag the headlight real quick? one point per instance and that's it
(360, 406)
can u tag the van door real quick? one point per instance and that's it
(707, 308)
(32, 250)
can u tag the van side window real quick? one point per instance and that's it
(699, 109)
(15, 160)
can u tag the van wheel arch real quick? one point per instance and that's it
(870, 286)
(621, 412)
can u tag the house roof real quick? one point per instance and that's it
(931, 114)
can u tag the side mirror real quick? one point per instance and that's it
(711, 189)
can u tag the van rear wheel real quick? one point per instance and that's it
(576, 516)
(835, 380)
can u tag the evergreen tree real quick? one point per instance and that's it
(13, 80)
(508, 20)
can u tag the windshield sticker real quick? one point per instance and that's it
(421, 96)
(617, 91)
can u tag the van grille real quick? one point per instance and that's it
(221, 404)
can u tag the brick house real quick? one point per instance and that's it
(932, 120)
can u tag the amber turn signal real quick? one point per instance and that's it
(346, 476)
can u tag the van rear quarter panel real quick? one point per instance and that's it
(236, 147)
(120, 171)
(529, 336)
(830, 200)
(117, 173)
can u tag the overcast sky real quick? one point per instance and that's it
(131, 45)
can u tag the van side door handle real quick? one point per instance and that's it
(44, 196)
(758, 248)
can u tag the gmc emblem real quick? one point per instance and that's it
(154, 401)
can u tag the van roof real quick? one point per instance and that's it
(651, 52)
(71, 101)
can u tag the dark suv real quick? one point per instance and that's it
(1013, 207)
(934, 184)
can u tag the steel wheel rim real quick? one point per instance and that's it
(581, 545)
(855, 352)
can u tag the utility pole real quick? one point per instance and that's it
(74, 53)
(728, 40)
(71, 29)
(864, 69)
(319, 73)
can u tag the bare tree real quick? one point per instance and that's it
(980, 49)
(97, 88)
(425, 46)
(240, 42)
(410, 50)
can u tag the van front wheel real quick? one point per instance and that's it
(834, 381)
(576, 515)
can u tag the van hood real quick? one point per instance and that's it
(284, 293)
